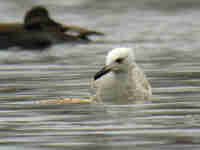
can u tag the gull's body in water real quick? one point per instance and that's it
(121, 81)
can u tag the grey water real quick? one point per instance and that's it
(165, 35)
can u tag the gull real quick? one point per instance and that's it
(121, 81)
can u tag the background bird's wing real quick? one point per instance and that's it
(80, 31)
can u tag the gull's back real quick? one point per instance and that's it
(143, 91)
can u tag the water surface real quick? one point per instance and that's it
(165, 36)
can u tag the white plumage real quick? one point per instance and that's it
(121, 81)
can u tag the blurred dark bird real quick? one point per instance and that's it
(39, 31)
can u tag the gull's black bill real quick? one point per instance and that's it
(102, 72)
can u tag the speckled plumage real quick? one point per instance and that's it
(124, 82)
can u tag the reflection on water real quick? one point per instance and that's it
(167, 48)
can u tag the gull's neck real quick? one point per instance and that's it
(121, 76)
(124, 75)
(122, 85)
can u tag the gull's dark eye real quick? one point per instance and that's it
(119, 60)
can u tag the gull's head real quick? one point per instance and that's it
(118, 60)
